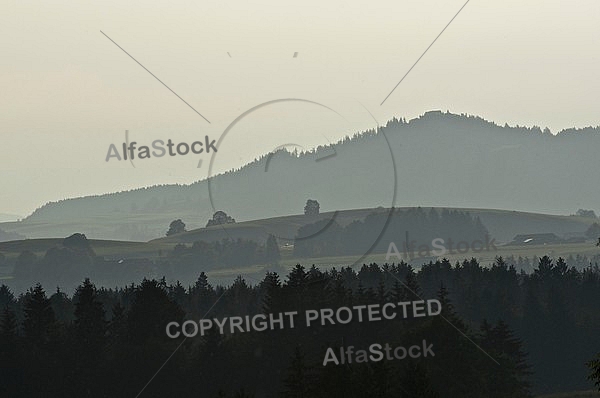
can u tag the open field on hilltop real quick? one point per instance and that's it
(288, 261)
(95, 226)
(119, 249)
(154, 226)
(125, 249)
(107, 248)
(485, 257)
(502, 225)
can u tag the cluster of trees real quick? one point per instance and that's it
(74, 260)
(69, 263)
(328, 238)
(586, 213)
(62, 265)
(528, 265)
(176, 227)
(111, 342)
(312, 208)
(219, 218)
(187, 260)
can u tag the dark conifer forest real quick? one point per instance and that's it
(501, 333)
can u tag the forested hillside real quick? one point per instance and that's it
(441, 159)
(500, 333)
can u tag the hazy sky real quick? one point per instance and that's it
(67, 92)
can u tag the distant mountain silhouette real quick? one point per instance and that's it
(441, 159)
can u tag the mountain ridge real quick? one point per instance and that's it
(442, 160)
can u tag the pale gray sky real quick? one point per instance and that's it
(67, 92)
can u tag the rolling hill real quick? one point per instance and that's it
(439, 159)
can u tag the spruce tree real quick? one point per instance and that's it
(90, 325)
(39, 316)
(272, 255)
(299, 380)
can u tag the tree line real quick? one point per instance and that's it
(327, 238)
(501, 333)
